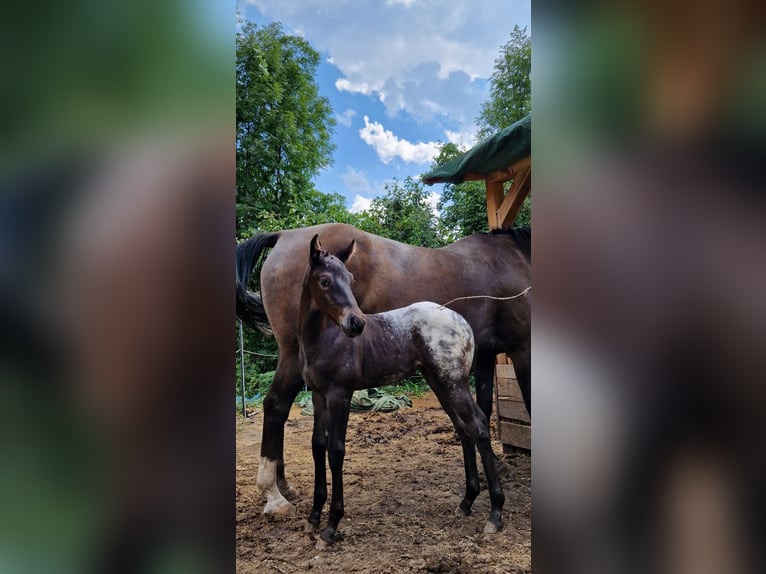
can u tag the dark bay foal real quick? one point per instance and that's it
(344, 350)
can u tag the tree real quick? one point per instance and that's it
(510, 93)
(510, 97)
(403, 214)
(284, 127)
(462, 207)
(311, 208)
(284, 137)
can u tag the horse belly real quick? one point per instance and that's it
(388, 356)
(386, 366)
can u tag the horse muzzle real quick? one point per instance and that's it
(353, 325)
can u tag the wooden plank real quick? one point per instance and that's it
(515, 434)
(470, 176)
(494, 200)
(512, 172)
(505, 371)
(512, 409)
(513, 201)
(508, 389)
(501, 175)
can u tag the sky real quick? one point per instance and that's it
(401, 76)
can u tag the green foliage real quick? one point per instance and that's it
(462, 207)
(260, 384)
(524, 218)
(311, 208)
(260, 360)
(510, 94)
(413, 387)
(403, 214)
(284, 131)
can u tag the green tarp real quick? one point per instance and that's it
(495, 153)
(365, 400)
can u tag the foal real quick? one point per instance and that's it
(343, 350)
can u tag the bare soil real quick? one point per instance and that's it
(404, 478)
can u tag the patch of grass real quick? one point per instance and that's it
(416, 387)
(412, 387)
(302, 395)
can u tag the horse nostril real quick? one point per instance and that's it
(357, 324)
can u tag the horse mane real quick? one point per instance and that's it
(249, 304)
(522, 236)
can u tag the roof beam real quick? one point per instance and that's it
(502, 209)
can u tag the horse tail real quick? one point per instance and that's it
(249, 304)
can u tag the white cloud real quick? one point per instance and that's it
(344, 85)
(356, 181)
(363, 202)
(360, 204)
(433, 200)
(464, 140)
(388, 146)
(345, 118)
(430, 59)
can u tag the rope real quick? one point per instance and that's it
(261, 354)
(524, 292)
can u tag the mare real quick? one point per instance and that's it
(344, 350)
(389, 275)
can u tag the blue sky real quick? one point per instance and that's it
(401, 76)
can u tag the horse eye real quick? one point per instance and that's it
(325, 283)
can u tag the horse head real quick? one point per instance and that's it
(329, 282)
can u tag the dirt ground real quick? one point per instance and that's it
(404, 479)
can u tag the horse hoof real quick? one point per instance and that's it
(322, 544)
(279, 508)
(311, 527)
(492, 528)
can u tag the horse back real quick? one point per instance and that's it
(435, 337)
(390, 275)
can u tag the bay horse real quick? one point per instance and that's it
(389, 275)
(344, 350)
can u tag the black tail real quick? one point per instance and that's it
(249, 305)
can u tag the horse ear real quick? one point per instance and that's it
(345, 254)
(315, 251)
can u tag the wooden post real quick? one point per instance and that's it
(494, 201)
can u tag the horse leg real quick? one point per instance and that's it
(276, 407)
(475, 426)
(522, 362)
(472, 487)
(484, 374)
(319, 452)
(338, 406)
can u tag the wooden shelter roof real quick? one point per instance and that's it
(504, 157)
